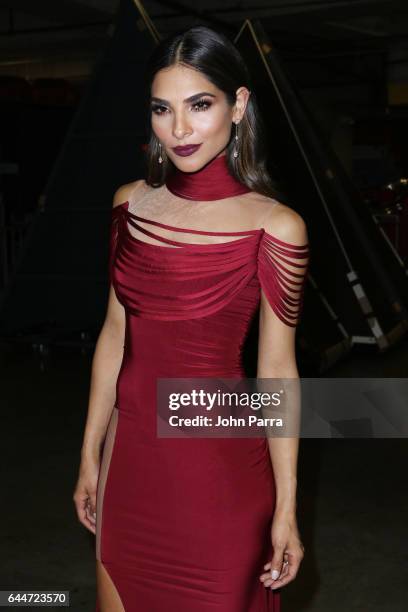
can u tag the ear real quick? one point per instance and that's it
(242, 97)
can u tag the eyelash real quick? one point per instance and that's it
(157, 107)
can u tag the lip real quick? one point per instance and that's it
(186, 150)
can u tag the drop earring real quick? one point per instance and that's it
(160, 160)
(236, 141)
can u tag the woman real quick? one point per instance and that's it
(194, 524)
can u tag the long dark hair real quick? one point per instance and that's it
(212, 54)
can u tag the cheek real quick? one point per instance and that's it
(212, 124)
(160, 128)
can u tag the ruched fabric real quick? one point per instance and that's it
(197, 280)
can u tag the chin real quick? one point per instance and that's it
(190, 163)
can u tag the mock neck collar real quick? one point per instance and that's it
(212, 182)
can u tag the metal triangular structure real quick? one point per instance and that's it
(365, 285)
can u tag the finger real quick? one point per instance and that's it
(91, 507)
(278, 584)
(92, 502)
(80, 506)
(91, 516)
(86, 499)
(264, 577)
(277, 562)
(88, 523)
(267, 575)
(289, 576)
(267, 578)
(285, 571)
(82, 515)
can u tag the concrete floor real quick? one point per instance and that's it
(352, 508)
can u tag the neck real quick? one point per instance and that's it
(211, 182)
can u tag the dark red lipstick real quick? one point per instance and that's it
(186, 150)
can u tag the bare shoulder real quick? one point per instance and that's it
(283, 222)
(123, 193)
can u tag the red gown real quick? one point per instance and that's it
(183, 525)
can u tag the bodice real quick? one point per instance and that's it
(179, 280)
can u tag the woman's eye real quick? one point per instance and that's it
(158, 110)
(202, 105)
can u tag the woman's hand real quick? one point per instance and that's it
(288, 551)
(85, 493)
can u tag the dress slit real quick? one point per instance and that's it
(102, 479)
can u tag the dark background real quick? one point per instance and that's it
(349, 61)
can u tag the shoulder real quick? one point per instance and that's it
(284, 223)
(123, 193)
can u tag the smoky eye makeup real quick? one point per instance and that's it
(200, 105)
(159, 109)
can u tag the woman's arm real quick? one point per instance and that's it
(106, 363)
(277, 360)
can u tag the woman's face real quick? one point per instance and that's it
(186, 109)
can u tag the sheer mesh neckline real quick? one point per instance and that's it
(184, 229)
(131, 217)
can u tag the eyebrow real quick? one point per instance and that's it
(190, 99)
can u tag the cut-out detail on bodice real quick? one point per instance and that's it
(202, 278)
(134, 219)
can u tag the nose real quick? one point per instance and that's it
(181, 127)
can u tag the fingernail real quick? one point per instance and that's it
(274, 574)
(94, 514)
